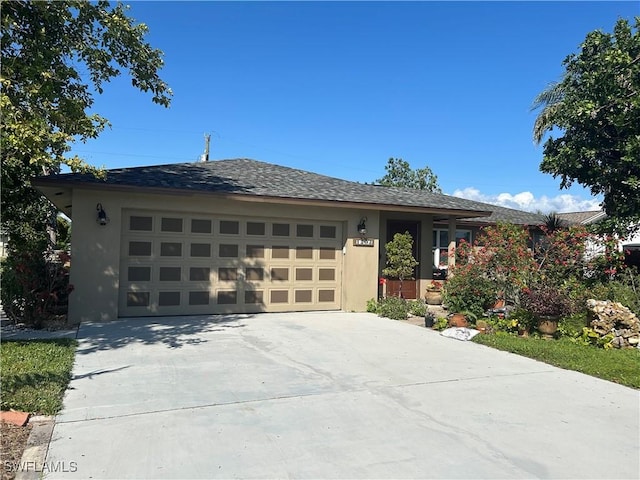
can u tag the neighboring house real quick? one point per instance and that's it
(235, 236)
(630, 246)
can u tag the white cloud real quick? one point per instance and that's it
(528, 202)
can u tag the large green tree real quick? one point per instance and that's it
(400, 174)
(56, 55)
(592, 118)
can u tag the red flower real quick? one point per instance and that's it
(382, 281)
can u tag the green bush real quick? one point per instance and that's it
(395, 308)
(589, 336)
(441, 323)
(625, 288)
(372, 306)
(33, 287)
(467, 293)
(417, 308)
(572, 325)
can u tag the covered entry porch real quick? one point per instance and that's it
(435, 238)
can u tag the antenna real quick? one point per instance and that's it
(205, 155)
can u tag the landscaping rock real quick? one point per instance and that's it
(607, 317)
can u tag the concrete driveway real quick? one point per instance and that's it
(329, 395)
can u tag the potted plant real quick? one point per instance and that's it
(547, 303)
(462, 319)
(429, 319)
(400, 259)
(433, 295)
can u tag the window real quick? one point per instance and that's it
(441, 245)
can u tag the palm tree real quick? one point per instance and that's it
(553, 222)
(550, 100)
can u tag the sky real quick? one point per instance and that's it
(338, 88)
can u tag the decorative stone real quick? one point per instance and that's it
(607, 317)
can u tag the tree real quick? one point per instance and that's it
(55, 55)
(400, 174)
(595, 108)
(63, 239)
(400, 260)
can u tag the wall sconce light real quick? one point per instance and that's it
(102, 218)
(362, 226)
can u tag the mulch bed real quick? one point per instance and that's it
(14, 441)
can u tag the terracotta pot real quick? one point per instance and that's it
(433, 298)
(458, 320)
(548, 326)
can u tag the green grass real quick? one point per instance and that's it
(35, 374)
(616, 365)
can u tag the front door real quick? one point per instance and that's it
(409, 285)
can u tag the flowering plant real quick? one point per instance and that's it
(544, 300)
(434, 286)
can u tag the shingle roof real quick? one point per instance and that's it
(504, 214)
(582, 217)
(255, 178)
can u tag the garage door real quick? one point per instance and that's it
(175, 264)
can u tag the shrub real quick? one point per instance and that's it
(417, 308)
(545, 300)
(395, 308)
(469, 293)
(497, 324)
(624, 288)
(372, 306)
(571, 326)
(588, 336)
(441, 323)
(32, 287)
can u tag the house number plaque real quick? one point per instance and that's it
(363, 242)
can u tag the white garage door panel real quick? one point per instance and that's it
(183, 264)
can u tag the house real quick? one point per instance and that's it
(630, 246)
(236, 236)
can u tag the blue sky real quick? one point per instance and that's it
(338, 88)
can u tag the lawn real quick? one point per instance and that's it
(35, 374)
(619, 366)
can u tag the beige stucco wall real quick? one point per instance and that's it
(95, 249)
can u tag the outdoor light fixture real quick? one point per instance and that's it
(362, 227)
(102, 218)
